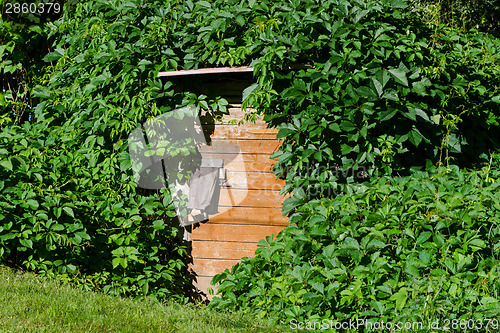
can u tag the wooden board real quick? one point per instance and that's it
(212, 70)
(241, 146)
(251, 215)
(235, 110)
(210, 267)
(224, 250)
(229, 197)
(234, 232)
(243, 162)
(202, 283)
(245, 131)
(254, 180)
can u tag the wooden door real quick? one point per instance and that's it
(251, 206)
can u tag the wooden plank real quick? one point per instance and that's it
(202, 283)
(251, 215)
(254, 180)
(234, 233)
(252, 198)
(222, 250)
(245, 125)
(222, 70)
(236, 120)
(210, 267)
(244, 162)
(242, 132)
(241, 146)
(217, 70)
(239, 120)
(237, 112)
(210, 123)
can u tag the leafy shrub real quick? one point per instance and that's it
(384, 94)
(69, 205)
(464, 14)
(21, 38)
(407, 249)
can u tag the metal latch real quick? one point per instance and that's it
(217, 163)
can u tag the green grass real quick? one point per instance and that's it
(29, 303)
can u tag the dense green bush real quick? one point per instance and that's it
(356, 88)
(463, 14)
(21, 39)
(385, 95)
(378, 93)
(68, 202)
(417, 248)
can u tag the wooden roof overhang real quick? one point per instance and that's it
(214, 70)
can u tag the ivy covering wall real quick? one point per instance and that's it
(358, 90)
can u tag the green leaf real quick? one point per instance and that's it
(69, 211)
(144, 62)
(158, 224)
(350, 244)
(454, 143)
(424, 236)
(26, 242)
(116, 262)
(387, 114)
(415, 137)
(3, 102)
(33, 204)
(249, 90)
(375, 244)
(57, 227)
(52, 56)
(334, 127)
(391, 95)
(425, 257)
(400, 297)
(345, 149)
(378, 86)
(284, 132)
(400, 4)
(41, 92)
(203, 4)
(366, 92)
(436, 119)
(347, 126)
(477, 244)
(399, 75)
(240, 20)
(149, 152)
(7, 164)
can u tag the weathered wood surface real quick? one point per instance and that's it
(216, 70)
(252, 198)
(254, 180)
(250, 208)
(251, 215)
(247, 146)
(252, 163)
(210, 267)
(234, 232)
(235, 114)
(245, 131)
(226, 250)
